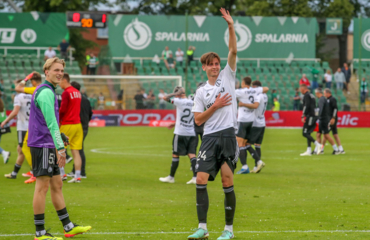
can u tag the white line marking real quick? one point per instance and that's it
(153, 233)
(122, 151)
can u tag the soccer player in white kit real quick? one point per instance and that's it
(184, 139)
(246, 117)
(215, 105)
(22, 104)
(259, 124)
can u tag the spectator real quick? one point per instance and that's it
(101, 101)
(165, 54)
(119, 99)
(92, 100)
(276, 105)
(179, 56)
(63, 48)
(83, 92)
(347, 74)
(273, 96)
(190, 53)
(296, 101)
(339, 79)
(1, 88)
(49, 53)
(328, 77)
(364, 90)
(87, 64)
(162, 101)
(304, 80)
(143, 93)
(315, 77)
(93, 62)
(150, 100)
(170, 62)
(139, 98)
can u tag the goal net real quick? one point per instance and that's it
(112, 92)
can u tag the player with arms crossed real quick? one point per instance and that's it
(324, 122)
(259, 124)
(47, 150)
(248, 102)
(22, 104)
(333, 110)
(308, 118)
(184, 138)
(215, 105)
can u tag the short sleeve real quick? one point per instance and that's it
(175, 101)
(198, 103)
(17, 102)
(238, 94)
(258, 98)
(259, 90)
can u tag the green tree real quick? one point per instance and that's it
(75, 34)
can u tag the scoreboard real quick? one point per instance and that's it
(86, 20)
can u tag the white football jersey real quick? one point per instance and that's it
(247, 95)
(259, 121)
(184, 117)
(24, 101)
(205, 96)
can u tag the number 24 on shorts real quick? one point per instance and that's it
(202, 155)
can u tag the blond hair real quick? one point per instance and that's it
(50, 62)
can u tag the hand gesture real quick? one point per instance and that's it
(226, 16)
(303, 120)
(3, 124)
(332, 121)
(222, 101)
(171, 125)
(61, 158)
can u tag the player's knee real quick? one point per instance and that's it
(42, 187)
(227, 181)
(201, 179)
(56, 186)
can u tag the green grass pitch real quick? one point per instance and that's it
(317, 197)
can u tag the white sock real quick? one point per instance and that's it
(309, 149)
(31, 172)
(317, 143)
(61, 171)
(245, 166)
(340, 148)
(229, 228)
(335, 147)
(194, 178)
(78, 174)
(258, 162)
(203, 226)
(170, 177)
(69, 226)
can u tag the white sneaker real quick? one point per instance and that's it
(260, 165)
(254, 170)
(75, 180)
(6, 156)
(167, 179)
(192, 181)
(306, 153)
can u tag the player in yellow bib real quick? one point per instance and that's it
(36, 80)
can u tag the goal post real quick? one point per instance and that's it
(119, 91)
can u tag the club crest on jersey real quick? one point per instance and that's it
(218, 83)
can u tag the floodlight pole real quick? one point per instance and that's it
(359, 62)
(186, 49)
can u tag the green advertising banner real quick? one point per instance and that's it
(334, 26)
(32, 29)
(361, 38)
(257, 37)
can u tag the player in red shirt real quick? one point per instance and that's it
(70, 124)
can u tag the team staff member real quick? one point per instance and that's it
(333, 110)
(35, 79)
(85, 115)
(308, 118)
(70, 123)
(324, 122)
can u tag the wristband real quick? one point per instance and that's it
(23, 82)
(61, 152)
(29, 76)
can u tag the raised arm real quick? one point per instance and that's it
(231, 59)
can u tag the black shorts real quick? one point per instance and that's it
(20, 136)
(244, 130)
(324, 127)
(310, 125)
(334, 128)
(44, 162)
(217, 148)
(257, 135)
(184, 145)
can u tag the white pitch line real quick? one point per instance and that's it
(152, 233)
